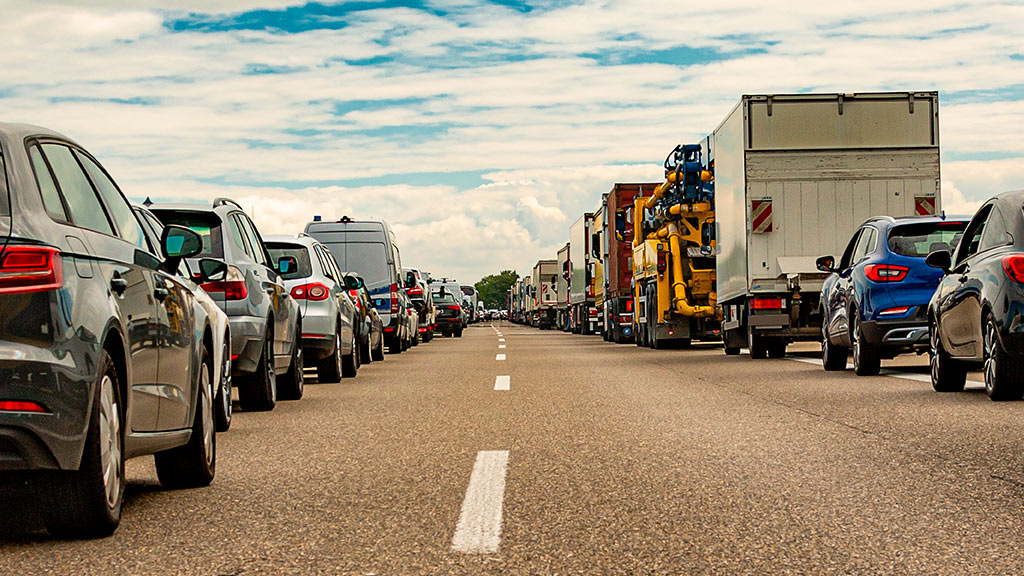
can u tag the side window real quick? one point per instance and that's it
(153, 232)
(848, 254)
(995, 233)
(259, 253)
(47, 188)
(127, 225)
(862, 246)
(235, 236)
(872, 243)
(971, 240)
(325, 263)
(84, 204)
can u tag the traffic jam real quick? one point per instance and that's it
(764, 235)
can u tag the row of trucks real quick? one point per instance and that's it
(723, 249)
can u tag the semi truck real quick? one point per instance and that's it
(673, 254)
(582, 314)
(616, 304)
(515, 311)
(597, 265)
(794, 175)
(544, 281)
(562, 289)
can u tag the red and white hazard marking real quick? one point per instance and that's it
(761, 215)
(924, 205)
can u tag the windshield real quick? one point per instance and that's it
(919, 240)
(368, 259)
(206, 224)
(304, 268)
(468, 290)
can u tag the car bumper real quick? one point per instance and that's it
(896, 334)
(246, 343)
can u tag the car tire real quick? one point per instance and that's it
(194, 464)
(225, 395)
(329, 369)
(80, 503)
(350, 363)
(377, 354)
(365, 354)
(260, 391)
(866, 358)
(292, 383)
(1003, 379)
(396, 346)
(732, 350)
(416, 340)
(833, 358)
(948, 375)
(458, 333)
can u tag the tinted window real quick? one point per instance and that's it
(919, 240)
(369, 260)
(86, 210)
(206, 224)
(862, 246)
(47, 188)
(848, 254)
(304, 269)
(972, 236)
(254, 240)
(235, 238)
(127, 226)
(995, 233)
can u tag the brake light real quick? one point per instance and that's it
(885, 272)
(454, 307)
(232, 286)
(21, 406)
(1013, 265)
(766, 304)
(894, 311)
(662, 262)
(394, 298)
(313, 291)
(30, 269)
(414, 292)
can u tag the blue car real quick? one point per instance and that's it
(875, 302)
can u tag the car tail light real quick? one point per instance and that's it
(415, 292)
(454, 307)
(313, 291)
(21, 406)
(1014, 267)
(885, 272)
(394, 298)
(232, 286)
(766, 304)
(894, 311)
(593, 311)
(662, 262)
(30, 269)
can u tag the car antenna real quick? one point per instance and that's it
(147, 202)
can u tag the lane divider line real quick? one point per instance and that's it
(479, 527)
(501, 346)
(501, 339)
(499, 356)
(502, 382)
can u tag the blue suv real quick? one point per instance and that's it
(875, 302)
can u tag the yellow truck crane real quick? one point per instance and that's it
(673, 255)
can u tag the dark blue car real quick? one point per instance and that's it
(876, 300)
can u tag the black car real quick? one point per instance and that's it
(104, 354)
(976, 316)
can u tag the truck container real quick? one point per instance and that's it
(529, 289)
(617, 254)
(515, 312)
(562, 289)
(794, 176)
(545, 281)
(582, 314)
(597, 264)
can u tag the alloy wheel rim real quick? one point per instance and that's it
(110, 442)
(990, 357)
(206, 405)
(271, 377)
(856, 341)
(225, 377)
(300, 377)
(934, 360)
(337, 345)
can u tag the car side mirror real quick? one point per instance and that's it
(178, 243)
(940, 259)
(286, 264)
(353, 283)
(211, 270)
(826, 264)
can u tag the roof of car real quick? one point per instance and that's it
(300, 238)
(17, 131)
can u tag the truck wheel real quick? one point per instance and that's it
(259, 394)
(732, 350)
(758, 347)
(948, 375)
(866, 360)
(194, 464)
(776, 348)
(1002, 375)
(832, 357)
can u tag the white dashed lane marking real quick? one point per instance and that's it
(479, 528)
(502, 382)
(499, 357)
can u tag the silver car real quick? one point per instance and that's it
(328, 313)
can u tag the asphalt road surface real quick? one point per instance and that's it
(589, 458)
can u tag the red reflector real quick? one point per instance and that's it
(894, 311)
(885, 272)
(662, 262)
(389, 329)
(1014, 267)
(629, 305)
(234, 356)
(233, 290)
(314, 335)
(766, 304)
(30, 269)
(20, 406)
(315, 291)
(423, 328)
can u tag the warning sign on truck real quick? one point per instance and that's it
(924, 205)
(761, 215)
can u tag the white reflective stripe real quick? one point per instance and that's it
(479, 528)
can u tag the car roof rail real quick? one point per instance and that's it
(880, 219)
(218, 202)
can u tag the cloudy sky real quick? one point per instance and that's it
(479, 128)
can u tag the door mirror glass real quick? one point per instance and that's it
(939, 259)
(353, 282)
(211, 270)
(179, 242)
(826, 264)
(286, 264)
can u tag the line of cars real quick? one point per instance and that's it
(128, 330)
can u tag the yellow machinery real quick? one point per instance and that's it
(673, 255)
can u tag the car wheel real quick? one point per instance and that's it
(416, 340)
(458, 333)
(948, 375)
(329, 369)
(350, 362)
(378, 353)
(866, 359)
(396, 346)
(225, 395)
(194, 464)
(86, 503)
(293, 381)
(260, 391)
(832, 357)
(1002, 375)
(732, 350)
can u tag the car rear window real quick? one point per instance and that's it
(206, 224)
(368, 259)
(919, 240)
(444, 297)
(301, 255)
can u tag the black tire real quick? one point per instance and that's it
(377, 354)
(329, 369)
(948, 375)
(259, 394)
(866, 358)
(1003, 378)
(222, 405)
(776, 348)
(193, 465)
(292, 383)
(350, 363)
(732, 350)
(458, 333)
(365, 354)
(396, 345)
(758, 346)
(833, 358)
(77, 503)
(416, 339)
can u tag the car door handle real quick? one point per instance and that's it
(161, 293)
(118, 285)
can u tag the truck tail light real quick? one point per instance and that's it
(629, 305)
(232, 286)
(766, 304)
(662, 262)
(313, 291)
(1013, 265)
(30, 269)
(394, 298)
(885, 272)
